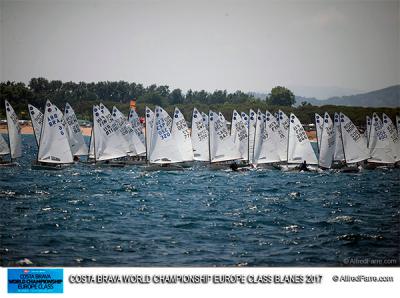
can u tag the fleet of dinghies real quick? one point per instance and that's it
(256, 139)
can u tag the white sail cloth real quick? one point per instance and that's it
(222, 147)
(37, 121)
(354, 144)
(14, 132)
(200, 137)
(107, 141)
(327, 140)
(299, 146)
(181, 133)
(54, 146)
(76, 140)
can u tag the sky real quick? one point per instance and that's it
(317, 48)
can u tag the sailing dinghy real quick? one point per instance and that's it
(239, 135)
(54, 151)
(380, 149)
(222, 148)
(338, 155)
(319, 123)
(76, 140)
(37, 122)
(299, 147)
(199, 137)
(13, 148)
(164, 153)
(354, 145)
(327, 142)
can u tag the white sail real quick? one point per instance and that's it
(200, 137)
(126, 130)
(379, 144)
(205, 119)
(239, 134)
(121, 132)
(276, 140)
(164, 147)
(252, 131)
(327, 140)
(394, 141)
(398, 124)
(148, 130)
(91, 145)
(368, 128)
(284, 125)
(244, 149)
(37, 121)
(54, 146)
(138, 138)
(221, 144)
(260, 138)
(299, 146)
(339, 151)
(14, 132)
(4, 149)
(107, 139)
(181, 133)
(76, 141)
(319, 123)
(355, 146)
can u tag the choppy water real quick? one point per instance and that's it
(86, 216)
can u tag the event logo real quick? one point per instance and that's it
(34, 280)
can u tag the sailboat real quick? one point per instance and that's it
(394, 141)
(338, 155)
(276, 140)
(37, 122)
(199, 137)
(354, 144)
(75, 137)
(148, 130)
(252, 131)
(379, 144)
(131, 136)
(222, 148)
(299, 146)
(138, 136)
(245, 147)
(260, 149)
(319, 123)
(54, 148)
(108, 144)
(239, 134)
(164, 153)
(14, 137)
(181, 133)
(284, 123)
(327, 142)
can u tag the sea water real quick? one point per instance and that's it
(89, 216)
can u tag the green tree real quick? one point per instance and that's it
(280, 96)
(176, 97)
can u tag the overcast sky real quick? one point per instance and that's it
(246, 45)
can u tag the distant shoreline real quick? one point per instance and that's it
(28, 130)
(87, 131)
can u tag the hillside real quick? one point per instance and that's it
(387, 97)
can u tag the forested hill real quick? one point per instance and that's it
(387, 97)
(82, 96)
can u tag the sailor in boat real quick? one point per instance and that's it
(303, 167)
(76, 158)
